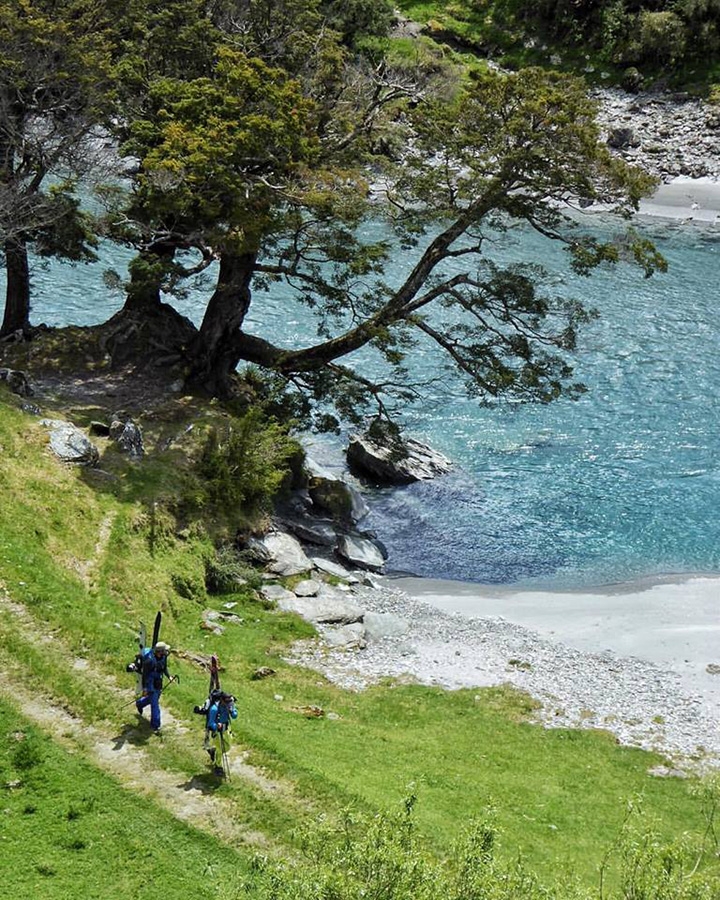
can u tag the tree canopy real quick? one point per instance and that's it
(264, 136)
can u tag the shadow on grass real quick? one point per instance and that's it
(136, 735)
(206, 783)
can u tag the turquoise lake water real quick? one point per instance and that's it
(621, 484)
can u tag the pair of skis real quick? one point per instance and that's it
(142, 644)
(215, 686)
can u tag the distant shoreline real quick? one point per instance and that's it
(672, 621)
(685, 199)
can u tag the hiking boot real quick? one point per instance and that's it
(211, 754)
(218, 770)
(139, 709)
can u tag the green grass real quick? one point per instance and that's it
(71, 831)
(492, 29)
(559, 795)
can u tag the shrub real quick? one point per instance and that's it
(242, 466)
(28, 753)
(661, 37)
(382, 857)
(227, 570)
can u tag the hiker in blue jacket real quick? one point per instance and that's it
(221, 710)
(154, 668)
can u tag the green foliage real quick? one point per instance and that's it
(28, 751)
(611, 33)
(384, 858)
(242, 466)
(227, 572)
(203, 144)
(355, 19)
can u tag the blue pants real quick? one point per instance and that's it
(151, 699)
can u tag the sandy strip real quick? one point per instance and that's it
(673, 622)
(685, 199)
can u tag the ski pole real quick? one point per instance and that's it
(224, 756)
(175, 678)
(135, 699)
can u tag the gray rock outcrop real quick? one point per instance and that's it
(282, 553)
(348, 637)
(331, 607)
(128, 437)
(313, 531)
(338, 498)
(17, 381)
(384, 625)
(361, 551)
(410, 461)
(333, 568)
(70, 444)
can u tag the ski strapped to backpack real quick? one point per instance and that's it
(214, 690)
(137, 664)
(215, 693)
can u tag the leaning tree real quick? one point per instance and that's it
(269, 181)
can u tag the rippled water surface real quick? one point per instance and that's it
(624, 482)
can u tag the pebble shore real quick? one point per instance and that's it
(642, 704)
(667, 134)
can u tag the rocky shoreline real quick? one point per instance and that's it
(667, 134)
(642, 704)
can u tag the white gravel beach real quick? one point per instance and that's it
(687, 199)
(631, 659)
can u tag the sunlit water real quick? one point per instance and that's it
(623, 483)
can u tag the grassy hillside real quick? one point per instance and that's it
(610, 41)
(85, 554)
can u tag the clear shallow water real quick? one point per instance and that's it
(623, 483)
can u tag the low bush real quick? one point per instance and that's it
(242, 467)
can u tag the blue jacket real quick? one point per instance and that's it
(219, 715)
(153, 669)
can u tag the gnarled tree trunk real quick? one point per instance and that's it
(214, 355)
(17, 295)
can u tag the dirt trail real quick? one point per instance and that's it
(122, 755)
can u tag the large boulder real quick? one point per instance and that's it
(335, 569)
(313, 531)
(330, 606)
(384, 625)
(402, 463)
(342, 501)
(346, 637)
(277, 593)
(282, 553)
(361, 551)
(17, 381)
(70, 444)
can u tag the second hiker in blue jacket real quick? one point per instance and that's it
(154, 669)
(217, 722)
